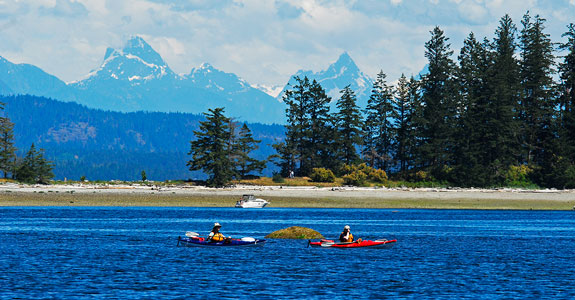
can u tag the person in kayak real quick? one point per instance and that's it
(216, 236)
(346, 236)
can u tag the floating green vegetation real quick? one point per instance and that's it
(295, 232)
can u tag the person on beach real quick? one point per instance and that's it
(216, 236)
(346, 236)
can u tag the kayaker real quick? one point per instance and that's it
(216, 236)
(346, 236)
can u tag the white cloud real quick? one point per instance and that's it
(260, 40)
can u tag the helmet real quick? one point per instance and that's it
(346, 227)
(217, 224)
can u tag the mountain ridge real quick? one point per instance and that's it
(137, 78)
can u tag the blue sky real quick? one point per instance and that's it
(262, 41)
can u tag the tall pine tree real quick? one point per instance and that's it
(537, 106)
(211, 148)
(349, 125)
(378, 127)
(439, 97)
(473, 131)
(403, 115)
(244, 144)
(503, 146)
(308, 130)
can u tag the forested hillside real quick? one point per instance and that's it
(105, 145)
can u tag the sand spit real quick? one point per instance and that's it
(340, 197)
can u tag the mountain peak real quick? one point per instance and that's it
(344, 58)
(136, 46)
(343, 64)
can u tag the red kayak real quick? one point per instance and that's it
(357, 244)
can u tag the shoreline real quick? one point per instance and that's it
(280, 196)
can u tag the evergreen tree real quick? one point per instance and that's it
(322, 129)
(567, 96)
(473, 131)
(34, 168)
(415, 123)
(308, 129)
(43, 168)
(537, 107)
(7, 149)
(438, 92)
(26, 170)
(349, 123)
(401, 109)
(211, 149)
(244, 144)
(564, 166)
(503, 147)
(378, 127)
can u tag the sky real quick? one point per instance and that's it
(262, 41)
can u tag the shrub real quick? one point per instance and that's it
(358, 174)
(422, 176)
(377, 175)
(322, 175)
(518, 176)
(278, 178)
(356, 178)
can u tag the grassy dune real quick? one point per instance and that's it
(419, 200)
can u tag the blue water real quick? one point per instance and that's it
(131, 253)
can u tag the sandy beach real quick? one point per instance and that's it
(340, 197)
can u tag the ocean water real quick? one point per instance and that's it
(131, 253)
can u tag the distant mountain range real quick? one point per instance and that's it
(136, 78)
(105, 145)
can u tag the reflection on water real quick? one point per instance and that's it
(131, 253)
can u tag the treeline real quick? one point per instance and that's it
(498, 115)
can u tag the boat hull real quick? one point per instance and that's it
(379, 244)
(251, 205)
(201, 242)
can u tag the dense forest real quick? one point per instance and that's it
(501, 114)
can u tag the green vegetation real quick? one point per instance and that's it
(495, 117)
(322, 175)
(220, 152)
(295, 232)
(34, 168)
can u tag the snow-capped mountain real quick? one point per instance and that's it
(137, 78)
(136, 62)
(336, 77)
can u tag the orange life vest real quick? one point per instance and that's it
(217, 237)
(344, 240)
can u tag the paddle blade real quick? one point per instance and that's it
(192, 234)
(248, 239)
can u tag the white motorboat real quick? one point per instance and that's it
(250, 201)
